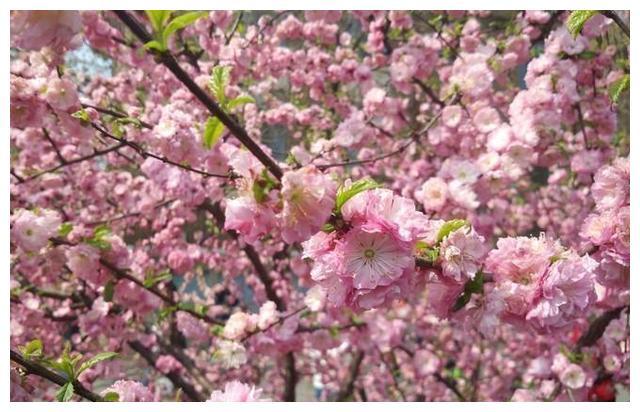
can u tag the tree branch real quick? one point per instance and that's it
(618, 20)
(173, 376)
(33, 368)
(354, 371)
(171, 63)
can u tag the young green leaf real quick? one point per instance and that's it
(213, 129)
(450, 226)
(220, 76)
(152, 280)
(158, 18)
(618, 87)
(346, 193)
(180, 22)
(108, 291)
(65, 393)
(100, 357)
(240, 101)
(154, 45)
(65, 229)
(577, 19)
(32, 350)
(111, 397)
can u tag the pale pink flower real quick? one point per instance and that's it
(486, 119)
(249, 218)
(461, 254)
(567, 291)
(237, 391)
(31, 230)
(433, 194)
(573, 376)
(611, 185)
(309, 197)
(351, 131)
(61, 94)
(83, 260)
(130, 391)
(385, 207)
(35, 29)
(521, 259)
(268, 315)
(452, 116)
(238, 325)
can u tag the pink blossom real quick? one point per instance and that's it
(373, 257)
(433, 194)
(130, 391)
(567, 292)
(237, 391)
(31, 230)
(35, 29)
(249, 218)
(461, 254)
(573, 376)
(309, 196)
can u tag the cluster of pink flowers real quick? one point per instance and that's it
(34, 30)
(130, 391)
(240, 323)
(608, 228)
(369, 259)
(31, 231)
(307, 199)
(237, 391)
(538, 283)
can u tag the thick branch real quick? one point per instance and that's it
(172, 64)
(39, 370)
(354, 370)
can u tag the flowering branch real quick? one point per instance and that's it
(170, 62)
(35, 369)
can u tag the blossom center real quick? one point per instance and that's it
(369, 253)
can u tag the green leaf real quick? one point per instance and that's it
(577, 19)
(108, 291)
(346, 193)
(180, 22)
(32, 350)
(450, 226)
(65, 393)
(220, 76)
(618, 87)
(98, 240)
(472, 286)
(213, 129)
(100, 357)
(82, 115)
(154, 45)
(239, 101)
(65, 229)
(111, 397)
(165, 312)
(158, 18)
(328, 228)
(151, 280)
